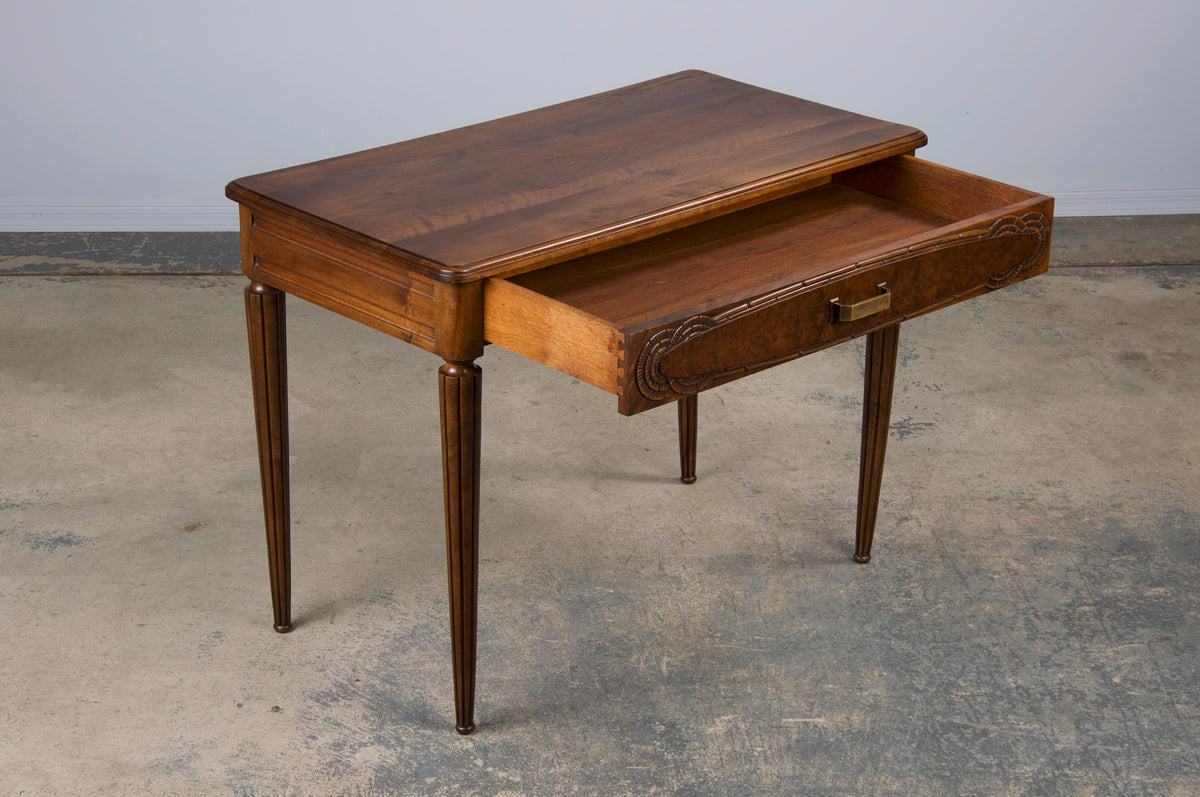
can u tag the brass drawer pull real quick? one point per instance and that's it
(853, 312)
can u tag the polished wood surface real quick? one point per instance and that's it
(360, 283)
(460, 388)
(515, 193)
(655, 241)
(688, 432)
(267, 334)
(879, 377)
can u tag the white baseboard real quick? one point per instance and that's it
(119, 218)
(1151, 202)
(202, 218)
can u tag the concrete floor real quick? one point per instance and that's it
(1030, 623)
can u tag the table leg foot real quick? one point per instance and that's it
(880, 377)
(460, 389)
(265, 323)
(688, 422)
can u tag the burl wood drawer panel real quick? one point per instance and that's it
(684, 311)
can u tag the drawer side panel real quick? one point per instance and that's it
(933, 188)
(555, 334)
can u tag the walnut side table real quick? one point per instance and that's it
(653, 241)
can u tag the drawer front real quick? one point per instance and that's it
(684, 357)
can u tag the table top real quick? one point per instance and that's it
(515, 194)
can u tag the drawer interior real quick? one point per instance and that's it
(860, 213)
(590, 316)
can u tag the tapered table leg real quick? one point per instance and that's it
(460, 389)
(688, 418)
(880, 377)
(268, 372)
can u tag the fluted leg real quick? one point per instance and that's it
(268, 371)
(882, 347)
(460, 387)
(688, 418)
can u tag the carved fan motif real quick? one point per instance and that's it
(1031, 223)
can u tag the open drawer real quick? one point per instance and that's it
(675, 314)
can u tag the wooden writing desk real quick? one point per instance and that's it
(653, 241)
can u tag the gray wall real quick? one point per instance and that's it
(133, 114)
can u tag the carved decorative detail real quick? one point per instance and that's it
(651, 381)
(1032, 223)
(655, 385)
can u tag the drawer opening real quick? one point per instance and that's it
(912, 219)
(811, 235)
